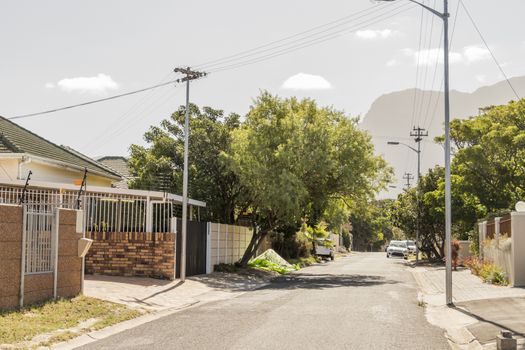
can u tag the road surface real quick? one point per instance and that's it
(364, 301)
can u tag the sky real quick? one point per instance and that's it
(57, 53)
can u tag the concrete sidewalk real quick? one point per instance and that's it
(158, 295)
(481, 310)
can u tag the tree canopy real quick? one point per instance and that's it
(160, 164)
(490, 154)
(298, 161)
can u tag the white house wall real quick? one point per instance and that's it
(48, 173)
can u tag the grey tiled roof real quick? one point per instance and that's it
(16, 139)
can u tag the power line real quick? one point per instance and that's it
(93, 101)
(442, 78)
(417, 65)
(233, 66)
(315, 41)
(488, 48)
(429, 47)
(345, 20)
(135, 108)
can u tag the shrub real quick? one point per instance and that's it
(487, 271)
(473, 237)
(267, 265)
(493, 274)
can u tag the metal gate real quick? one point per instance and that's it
(39, 243)
(196, 238)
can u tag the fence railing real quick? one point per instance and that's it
(39, 240)
(103, 212)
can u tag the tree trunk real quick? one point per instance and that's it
(251, 250)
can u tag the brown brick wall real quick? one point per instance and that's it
(10, 253)
(37, 287)
(131, 254)
(69, 281)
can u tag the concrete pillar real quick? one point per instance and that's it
(149, 215)
(496, 228)
(518, 249)
(482, 229)
(209, 265)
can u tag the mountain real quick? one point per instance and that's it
(390, 118)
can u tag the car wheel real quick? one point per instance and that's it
(387, 256)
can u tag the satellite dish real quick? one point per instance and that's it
(520, 206)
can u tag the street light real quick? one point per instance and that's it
(418, 219)
(448, 213)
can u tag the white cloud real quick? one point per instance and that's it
(370, 34)
(303, 81)
(98, 84)
(475, 53)
(392, 63)
(482, 78)
(428, 57)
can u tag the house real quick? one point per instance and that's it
(22, 151)
(120, 165)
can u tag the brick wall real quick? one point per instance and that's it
(131, 254)
(37, 287)
(10, 253)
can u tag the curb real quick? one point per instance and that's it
(94, 336)
(97, 335)
(459, 338)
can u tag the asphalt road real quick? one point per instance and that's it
(361, 302)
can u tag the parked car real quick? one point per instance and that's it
(324, 249)
(397, 248)
(411, 246)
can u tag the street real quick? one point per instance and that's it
(364, 301)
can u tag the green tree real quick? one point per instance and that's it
(490, 154)
(372, 224)
(210, 178)
(466, 209)
(293, 158)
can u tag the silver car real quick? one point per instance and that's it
(397, 248)
(411, 245)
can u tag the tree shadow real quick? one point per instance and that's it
(233, 282)
(326, 281)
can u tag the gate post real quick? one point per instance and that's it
(54, 231)
(209, 267)
(173, 229)
(23, 256)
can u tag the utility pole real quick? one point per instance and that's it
(408, 177)
(448, 202)
(189, 76)
(418, 134)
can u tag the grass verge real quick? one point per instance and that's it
(304, 262)
(59, 320)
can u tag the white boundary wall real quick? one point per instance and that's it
(226, 243)
(508, 254)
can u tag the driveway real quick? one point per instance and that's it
(364, 301)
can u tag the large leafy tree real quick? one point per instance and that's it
(295, 158)
(372, 224)
(159, 165)
(466, 209)
(490, 154)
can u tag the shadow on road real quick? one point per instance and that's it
(323, 281)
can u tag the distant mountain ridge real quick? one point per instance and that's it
(390, 118)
